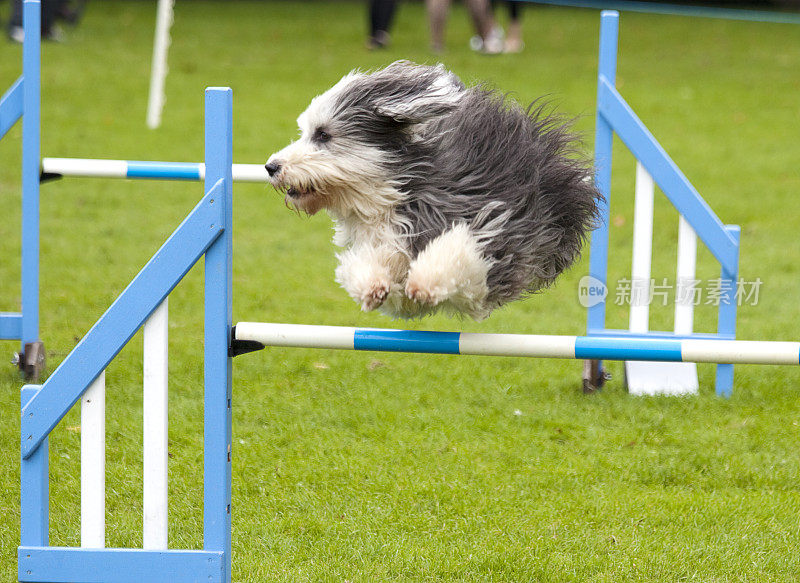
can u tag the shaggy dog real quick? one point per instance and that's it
(443, 196)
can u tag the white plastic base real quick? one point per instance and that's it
(661, 378)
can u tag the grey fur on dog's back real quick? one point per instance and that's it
(492, 165)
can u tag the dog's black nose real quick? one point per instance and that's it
(272, 168)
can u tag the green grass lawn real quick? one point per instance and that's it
(388, 467)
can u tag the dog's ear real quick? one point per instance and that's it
(416, 93)
(412, 112)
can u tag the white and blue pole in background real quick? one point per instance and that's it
(135, 169)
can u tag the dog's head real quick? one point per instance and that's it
(351, 135)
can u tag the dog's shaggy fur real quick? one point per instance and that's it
(443, 196)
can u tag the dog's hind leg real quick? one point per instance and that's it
(366, 272)
(451, 269)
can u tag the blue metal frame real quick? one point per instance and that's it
(22, 100)
(604, 134)
(205, 231)
(218, 323)
(31, 59)
(11, 106)
(614, 115)
(726, 319)
(68, 564)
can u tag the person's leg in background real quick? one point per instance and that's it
(483, 19)
(381, 14)
(437, 18)
(50, 31)
(514, 43)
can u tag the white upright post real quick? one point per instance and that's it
(642, 251)
(155, 428)
(93, 464)
(687, 259)
(651, 378)
(684, 381)
(158, 72)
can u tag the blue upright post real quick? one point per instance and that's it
(598, 254)
(607, 68)
(34, 489)
(218, 322)
(32, 358)
(726, 323)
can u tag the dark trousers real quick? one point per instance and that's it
(514, 8)
(381, 13)
(49, 14)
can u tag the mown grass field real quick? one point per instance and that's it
(379, 467)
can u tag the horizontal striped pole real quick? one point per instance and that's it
(90, 167)
(248, 336)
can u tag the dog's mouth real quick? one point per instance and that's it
(305, 200)
(294, 192)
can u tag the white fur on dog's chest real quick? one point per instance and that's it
(354, 231)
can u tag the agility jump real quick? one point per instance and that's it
(697, 219)
(207, 232)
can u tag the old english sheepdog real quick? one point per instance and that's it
(443, 196)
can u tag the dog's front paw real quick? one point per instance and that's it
(426, 295)
(374, 296)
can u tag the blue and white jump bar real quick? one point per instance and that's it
(89, 167)
(537, 346)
